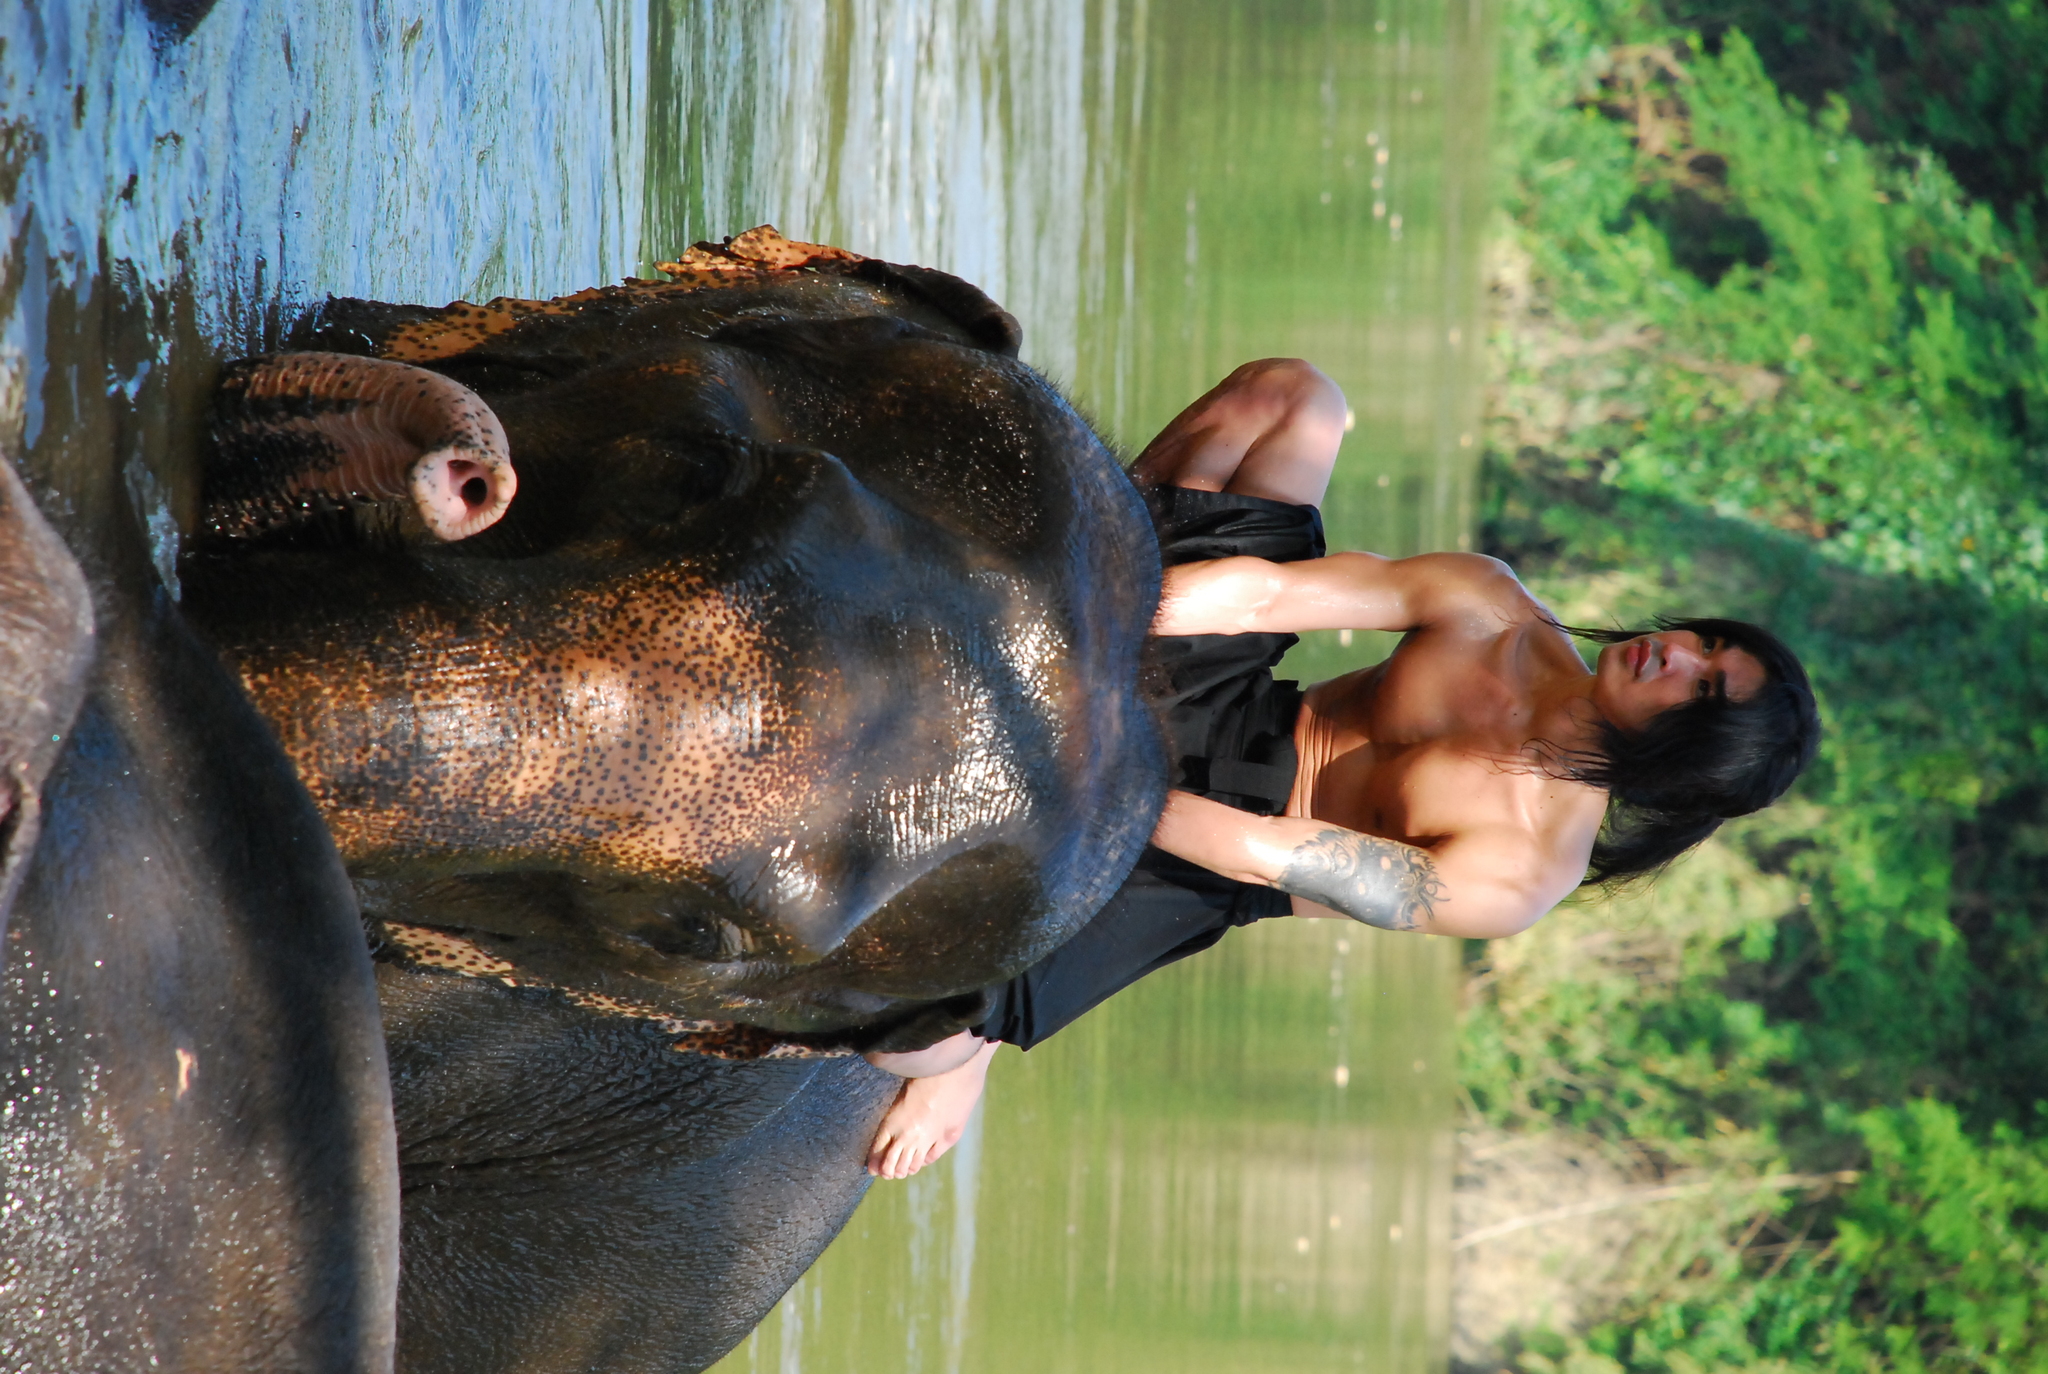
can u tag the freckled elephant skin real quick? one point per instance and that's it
(580, 1197)
(797, 685)
(196, 1145)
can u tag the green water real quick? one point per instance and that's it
(1242, 1164)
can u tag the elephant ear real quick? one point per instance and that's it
(763, 248)
(964, 303)
(194, 1106)
(46, 643)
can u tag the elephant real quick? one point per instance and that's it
(196, 1141)
(642, 702)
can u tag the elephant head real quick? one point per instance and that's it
(796, 685)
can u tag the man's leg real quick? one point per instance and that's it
(1271, 429)
(933, 1107)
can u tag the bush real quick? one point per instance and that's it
(1753, 359)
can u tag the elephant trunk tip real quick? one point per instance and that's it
(462, 490)
(302, 432)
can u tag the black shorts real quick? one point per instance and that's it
(1230, 733)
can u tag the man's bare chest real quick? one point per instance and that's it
(1430, 742)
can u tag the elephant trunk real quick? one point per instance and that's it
(296, 432)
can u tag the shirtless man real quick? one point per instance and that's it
(1458, 788)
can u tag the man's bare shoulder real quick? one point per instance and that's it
(1473, 582)
(1503, 845)
(1512, 840)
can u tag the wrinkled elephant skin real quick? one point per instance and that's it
(46, 647)
(790, 700)
(580, 1197)
(195, 1122)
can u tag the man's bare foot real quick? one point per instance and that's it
(928, 1117)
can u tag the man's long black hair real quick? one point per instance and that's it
(1695, 765)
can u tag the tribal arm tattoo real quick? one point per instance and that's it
(1380, 882)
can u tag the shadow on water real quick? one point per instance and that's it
(1243, 1162)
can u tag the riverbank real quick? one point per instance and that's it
(1765, 359)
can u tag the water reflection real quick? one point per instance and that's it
(1241, 1164)
(287, 150)
(173, 202)
(1236, 1165)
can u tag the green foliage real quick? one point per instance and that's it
(1948, 1230)
(1937, 1264)
(1882, 373)
(1755, 362)
(1963, 80)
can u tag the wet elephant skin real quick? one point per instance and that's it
(580, 1197)
(195, 1137)
(796, 687)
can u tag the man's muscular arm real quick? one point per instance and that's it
(1479, 885)
(1383, 883)
(1345, 591)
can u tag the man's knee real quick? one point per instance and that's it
(1294, 378)
(944, 1057)
(1285, 389)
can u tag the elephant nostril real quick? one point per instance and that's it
(458, 496)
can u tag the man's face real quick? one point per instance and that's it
(1639, 679)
